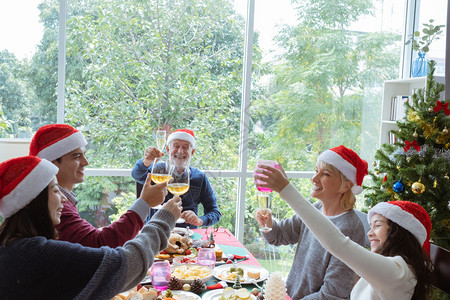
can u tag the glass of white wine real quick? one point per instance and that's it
(265, 207)
(161, 137)
(161, 170)
(179, 183)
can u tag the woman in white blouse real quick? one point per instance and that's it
(397, 267)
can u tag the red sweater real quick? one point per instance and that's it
(74, 229)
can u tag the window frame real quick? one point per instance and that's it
(411, 22)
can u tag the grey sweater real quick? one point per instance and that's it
(37, 268)
(315, 273)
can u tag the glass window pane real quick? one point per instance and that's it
(436, 10)
(28, 66)
(134, 67)
(320, 81)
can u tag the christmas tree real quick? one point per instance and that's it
(417, 166)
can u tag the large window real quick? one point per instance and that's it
(317, 70)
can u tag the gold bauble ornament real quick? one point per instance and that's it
(446, 176)
(417, 187)
(374, 164)
(430, 109)
(445, 130)
(415, 134)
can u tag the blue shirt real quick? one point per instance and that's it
(200, 192)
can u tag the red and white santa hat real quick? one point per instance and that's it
(349, 163)
(21, 180)
(182, 134)
(55, 140)
(408, 215)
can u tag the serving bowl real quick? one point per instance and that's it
(187, 273)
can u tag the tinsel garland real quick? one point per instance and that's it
(439, 153)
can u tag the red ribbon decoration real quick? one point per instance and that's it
(440, 105)
(409, 144)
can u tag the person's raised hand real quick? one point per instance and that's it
(191, 218)
(272, 178)
(153, 194)
(264, 219)
(174, 207)
(150, 154)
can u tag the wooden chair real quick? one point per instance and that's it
(440, 277)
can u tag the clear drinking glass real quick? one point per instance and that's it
(161, 137)
(161, 170)
(265, 207)
(160, 275)
(206, 257)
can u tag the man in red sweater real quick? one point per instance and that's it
(64, 146)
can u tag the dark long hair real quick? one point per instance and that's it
(32, 220)
(401, 242)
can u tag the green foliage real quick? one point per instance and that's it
(14, 97)
(5, 124)
(176, 63)
(319, 88)
(122, 204)
(430, 165)
(429, 34)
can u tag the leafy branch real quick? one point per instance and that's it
(430, 33)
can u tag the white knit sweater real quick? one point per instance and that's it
(381, 277)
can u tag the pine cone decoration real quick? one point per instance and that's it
(197, 286)
(175, 284)
(274, 288)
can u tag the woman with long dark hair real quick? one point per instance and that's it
(397, 267)
(34, 265)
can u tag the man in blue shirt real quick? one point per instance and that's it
(180, 148)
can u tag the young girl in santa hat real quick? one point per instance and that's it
(37, 266)
(315, 273)
(397, 267)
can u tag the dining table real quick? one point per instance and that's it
(229, 244)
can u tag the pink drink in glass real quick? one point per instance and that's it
(270, 163)
(160, 275)
(206, 257)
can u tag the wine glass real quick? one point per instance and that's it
(265, 207)
(179, 183)
(263, 194)
(161, 170)
(161, 136)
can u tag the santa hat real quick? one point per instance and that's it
(348, 163)
(21, 180)
(408, 215)
(55, 140)
(182, 134)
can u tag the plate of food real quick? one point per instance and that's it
(183, 231)
(183, 295)
(247, 273)
(186, 273)
(228, 294)
(180, 260)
